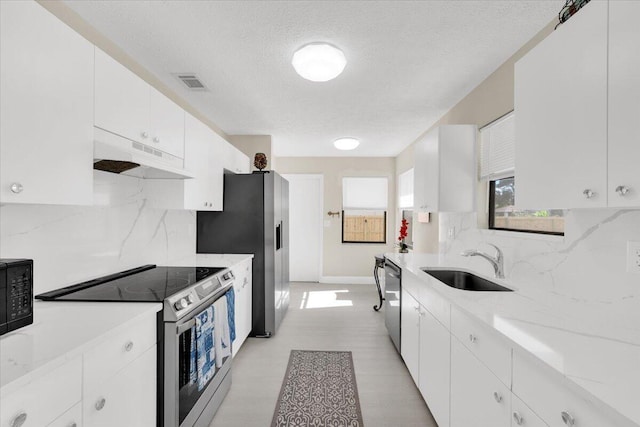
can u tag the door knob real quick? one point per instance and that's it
(589, 194)
(16, 188)
(567, 418)
(518, 418)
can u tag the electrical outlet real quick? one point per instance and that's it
(451, 233)
(633, 257)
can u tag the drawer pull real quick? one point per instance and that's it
(72, 424)
(497, 397)
(16, 188)
(128, 346)
(518, 418)
(100, 403)
(567, 418)
(18, 420)
(472, 338)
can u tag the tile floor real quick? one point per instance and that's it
(326, 317)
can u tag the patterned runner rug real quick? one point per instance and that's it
(319, 390)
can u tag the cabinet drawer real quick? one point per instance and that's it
(108, 357)
(44, 399)
(71, 418)
(547, 393)
(522, 415)
(491, 349)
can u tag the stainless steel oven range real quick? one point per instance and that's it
(185, 292)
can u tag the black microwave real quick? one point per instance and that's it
(16, 294)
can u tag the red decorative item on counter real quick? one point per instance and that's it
(403, 234)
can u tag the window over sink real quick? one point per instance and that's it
(497, 152)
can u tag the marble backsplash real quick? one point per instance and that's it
(70, 244)
(584, 272)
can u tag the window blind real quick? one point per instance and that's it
(497, 148)
(405, 189)
(364, 193)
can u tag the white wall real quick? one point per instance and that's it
(70, 244)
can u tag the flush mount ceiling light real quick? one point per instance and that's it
(346, 143)
(319, 62)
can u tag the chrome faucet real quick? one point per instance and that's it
(497, 262)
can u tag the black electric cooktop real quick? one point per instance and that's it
(148, 283)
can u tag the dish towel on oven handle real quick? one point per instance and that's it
(205, 346)
(222, 335)
(231, 312)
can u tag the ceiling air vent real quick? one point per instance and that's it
(191, 81)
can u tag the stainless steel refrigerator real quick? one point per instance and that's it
(255, 221)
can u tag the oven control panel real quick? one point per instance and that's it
(195, 298)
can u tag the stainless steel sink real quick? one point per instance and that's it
(464, 280)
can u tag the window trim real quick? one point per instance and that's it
(492, 213)
(360, 242)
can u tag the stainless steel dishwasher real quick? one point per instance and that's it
(392, 287)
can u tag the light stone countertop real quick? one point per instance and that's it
(220, 260)
(600, 359)
(61, 331)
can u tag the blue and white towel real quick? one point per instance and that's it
(205, 346)
(193, 358)
(222, 335)
(231, 313)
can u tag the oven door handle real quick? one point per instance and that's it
(186, 326)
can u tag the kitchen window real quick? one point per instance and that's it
(497, 153)
(364, 209)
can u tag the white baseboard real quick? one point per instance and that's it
(347, 280)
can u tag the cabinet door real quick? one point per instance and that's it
(121, 100)
(478, 398)
(200, 192)
(624, 102)
(127, 399)
(167, 124)
(243, 289)
(435, 356)
(561, 115)
(425, 174)
(46, 108)
(521, 415)
(410, 334)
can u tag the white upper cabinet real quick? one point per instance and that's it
(203, 157)
(127, 106)
(235, 160)
(624, 103)
(46, 110)
(167, 124)
(121, 100)
(445, 170)
(577, 98)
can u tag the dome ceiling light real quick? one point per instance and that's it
(346, 143)
(319, 62)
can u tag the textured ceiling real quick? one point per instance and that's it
(408, 61)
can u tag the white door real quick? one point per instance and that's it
(305, 226)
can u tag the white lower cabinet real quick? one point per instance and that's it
(410, 327)
(45, 399)
(71, 418)
(126, 399)
(522, 415)
(478, 398)
(243, 289)
(435, 357)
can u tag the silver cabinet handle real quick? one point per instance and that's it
(589, 194)
(128, 346)
(472, 338)
(18, 420)
(567, 418)
(100, 403)
(518, 418)
(156, 139)
(72, 424)
(622, 190)
(16, 188)
(145, 135)
(497, 396)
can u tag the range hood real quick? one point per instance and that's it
(115, 154)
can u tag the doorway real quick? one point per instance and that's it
(305, 226)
